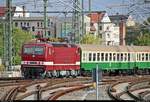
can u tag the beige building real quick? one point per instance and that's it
(36, 25)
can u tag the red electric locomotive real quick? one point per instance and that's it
(43, 59)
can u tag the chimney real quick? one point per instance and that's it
(23, 8)
(122, 30)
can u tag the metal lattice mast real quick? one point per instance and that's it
(8, 36)
(45, 19)
(76, 21)
(83, 29)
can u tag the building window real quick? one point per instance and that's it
(33, 28)
(37, 24)
(41, 24)
(100, 27)
(38, 33)
(21, 24)
(24, 23)
(28, 24)
(16, 24)
(48, 22)
(49, 33)
(108, 35)
(52, 23)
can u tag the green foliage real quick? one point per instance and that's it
(90, 39)
(143, 39)
(19, 37)
(2, 68)
(138, 35)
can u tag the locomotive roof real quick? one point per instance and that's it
(89, 47)
(55, 44)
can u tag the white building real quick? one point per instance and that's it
(101, 25)
(21, 13)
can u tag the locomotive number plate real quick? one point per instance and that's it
(33, 63)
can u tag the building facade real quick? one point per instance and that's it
(102, 26)
(36, 25)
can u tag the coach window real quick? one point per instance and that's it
(114, 57)
(118, 57)
(83, 56)
(128, 56)
(106, 57)
(98, 56)
(94, 56)
(110, 56)
(139, 57)
(149, 56)
(102, 56)
(90, 56)
(146, 56)
(125, 57)
(121, 57)
(143, 56)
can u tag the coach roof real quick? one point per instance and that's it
(89, 47)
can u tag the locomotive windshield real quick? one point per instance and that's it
(37, 50)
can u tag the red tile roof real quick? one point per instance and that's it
(95, 17)
(2, 11)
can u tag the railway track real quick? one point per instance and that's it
(130, 89)
(120, 88)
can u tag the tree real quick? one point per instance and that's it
(143, 40)
(90, 39)
(139, 34)
(19, 37)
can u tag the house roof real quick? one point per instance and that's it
(31, 18)
(118, 17)
(3, 10)
(95, 17)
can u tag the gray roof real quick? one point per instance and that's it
(31, 18)
(103, 48)
(118, 17)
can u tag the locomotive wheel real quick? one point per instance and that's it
(67, 74)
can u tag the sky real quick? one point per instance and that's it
(97, 5)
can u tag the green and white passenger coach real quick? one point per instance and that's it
(116, 59)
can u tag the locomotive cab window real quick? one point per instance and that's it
(37, 50)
